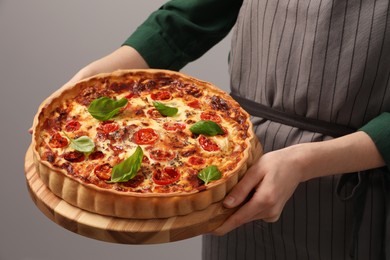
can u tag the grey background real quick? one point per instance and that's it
(42, 44)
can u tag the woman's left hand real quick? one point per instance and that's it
(273, 178)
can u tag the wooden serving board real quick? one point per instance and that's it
(120, 230)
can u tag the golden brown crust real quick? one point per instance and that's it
(133, 205)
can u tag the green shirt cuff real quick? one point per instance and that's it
(379, 131)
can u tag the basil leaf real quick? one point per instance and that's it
(127, 169)
(165, 110)
(105, 108)
(210, 173)
(206, 127)
(82, 144)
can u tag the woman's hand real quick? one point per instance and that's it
(124, 57)
(275, 176)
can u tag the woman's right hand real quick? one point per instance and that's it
(125, 57)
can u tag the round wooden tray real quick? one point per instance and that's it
(120, 230)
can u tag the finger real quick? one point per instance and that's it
(243, 188)
(263, 205)
(244, 215)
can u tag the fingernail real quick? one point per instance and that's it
(229, 201)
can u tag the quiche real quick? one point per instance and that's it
(142, 144)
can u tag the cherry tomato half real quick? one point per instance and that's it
(161, 95)
(208, 144)
(58, 141)
(74, 156)
(72, 126)
(211, 115)
(145, 136)
(166, 176)
(194, 104)
(194, 160)
(96, 155)
(108, 127)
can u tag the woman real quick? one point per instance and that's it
(320, 69)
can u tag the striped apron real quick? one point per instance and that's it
(325, 60)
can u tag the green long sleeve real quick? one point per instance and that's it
(183, 30)
(379, 131)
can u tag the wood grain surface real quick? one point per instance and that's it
(120, 230)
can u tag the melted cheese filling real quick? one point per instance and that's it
(126, 146)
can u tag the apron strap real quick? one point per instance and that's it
(359, 182)
(314, 125)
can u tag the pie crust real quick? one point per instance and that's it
(130, 204)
